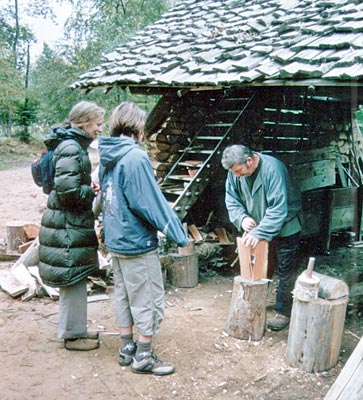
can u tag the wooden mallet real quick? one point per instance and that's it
(307, 284)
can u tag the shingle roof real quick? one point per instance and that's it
(231, 42)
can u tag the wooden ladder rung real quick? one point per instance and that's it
(210, 137)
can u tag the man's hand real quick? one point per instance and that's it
(248, 224)
(249, 240)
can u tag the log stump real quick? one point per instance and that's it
(315, 333)
(15, 236)
(247, 314)
(184, 270)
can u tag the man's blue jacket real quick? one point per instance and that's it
(274, 202)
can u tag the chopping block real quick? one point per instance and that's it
(184, 268)
(317, 325)
(247, 314)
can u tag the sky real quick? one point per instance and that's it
(45, 31)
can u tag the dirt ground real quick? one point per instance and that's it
(210, 364)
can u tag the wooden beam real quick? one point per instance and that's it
(349, 384)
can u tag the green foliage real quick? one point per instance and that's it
(210, 260)
(104, 24)
(11, 93)
(94, 28)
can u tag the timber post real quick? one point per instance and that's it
(316, 327)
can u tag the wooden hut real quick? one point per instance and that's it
(283, 77)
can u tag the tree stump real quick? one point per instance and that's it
(315, 333)
(184, 270)
(247, 314)
(15, 236)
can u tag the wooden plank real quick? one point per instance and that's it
(342, 217)
(316, 182)
(23, 275)
(349, 384)
(195, 233)
(222, 235)
(313, 168)
(323, 153)
(52, 292)
(11, 285)
(253, 261)
(24, 247)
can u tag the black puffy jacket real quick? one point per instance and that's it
(68, 242)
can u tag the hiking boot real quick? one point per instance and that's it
(150, 364)
(127, 353)
(81, 344)
(278, 322)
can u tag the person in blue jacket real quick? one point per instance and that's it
(263, 201)
(134, 210)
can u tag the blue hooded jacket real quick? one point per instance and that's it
(133, 206)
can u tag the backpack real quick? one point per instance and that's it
(42, 168)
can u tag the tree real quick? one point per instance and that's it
(42, 90)
(15, 42)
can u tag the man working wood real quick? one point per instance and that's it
(263, 202)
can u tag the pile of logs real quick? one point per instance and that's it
(170, 128)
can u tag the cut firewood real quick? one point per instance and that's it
(31, 231)
(195, 233)
(30, 257)
(222, 235)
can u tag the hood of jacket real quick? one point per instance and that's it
(58, 133)
(113, 149)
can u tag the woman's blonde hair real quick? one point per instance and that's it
(83, 112)
(127, 119)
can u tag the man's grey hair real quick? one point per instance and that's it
(235, 154)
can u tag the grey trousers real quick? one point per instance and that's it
(73, 311)
(139, 292)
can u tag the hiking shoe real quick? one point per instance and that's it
(127, 353)
(278, 322)
(150, 364)
(81, 344)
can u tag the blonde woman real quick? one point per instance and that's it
(68, 242)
